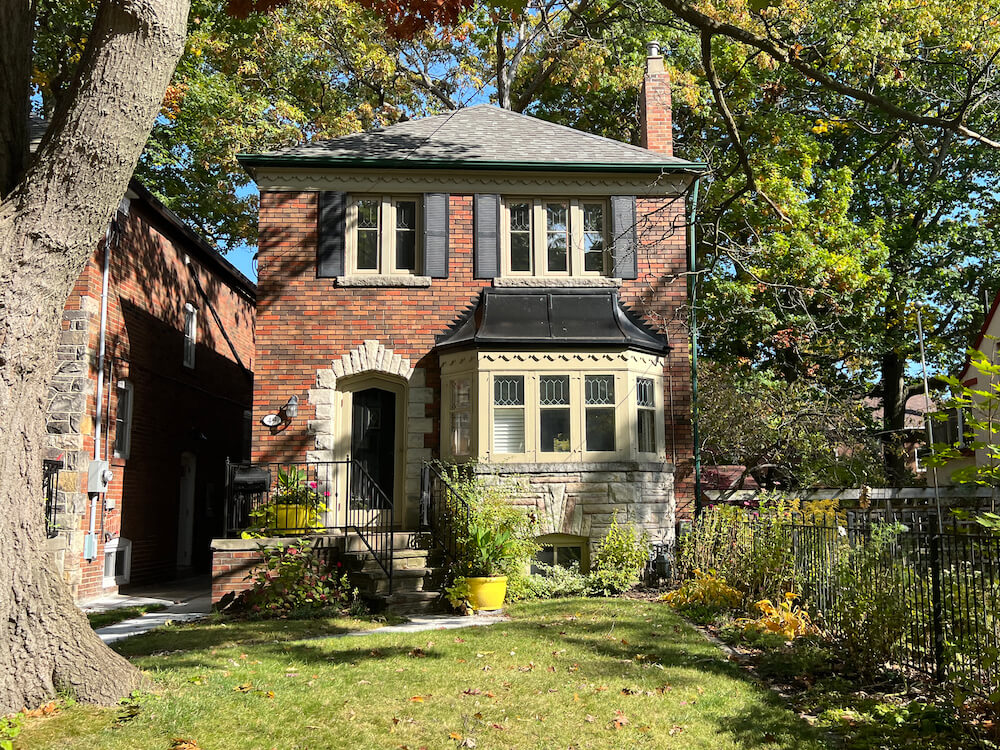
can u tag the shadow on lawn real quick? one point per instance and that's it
(234, 634)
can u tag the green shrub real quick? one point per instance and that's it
(869, 612)
(495, 534)
(295, 582)
(704, 597)
(804, 657)
(619, 560)
(554, 581)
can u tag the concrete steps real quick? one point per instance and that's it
(418, 575)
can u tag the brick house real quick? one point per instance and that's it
(480, 287)
(163, 396)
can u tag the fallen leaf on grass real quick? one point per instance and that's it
(630, 691)
(245, 687)
(472, 691)
(675, 730)
(455, 736)
(47, 710)
(418, 653)
(417, 699)
(619, 720)
(179, 743)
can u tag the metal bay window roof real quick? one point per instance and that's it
(548, 318)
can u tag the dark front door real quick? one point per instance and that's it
(373, 444)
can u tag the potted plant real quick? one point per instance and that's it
(295, 503)
(487, 551)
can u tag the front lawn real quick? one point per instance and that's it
(577, 673)
(111, 616)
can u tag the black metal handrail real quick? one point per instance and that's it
(443, 510)
(369, 514)
(50, 488)
(295, 499)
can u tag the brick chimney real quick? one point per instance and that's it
(654, 104)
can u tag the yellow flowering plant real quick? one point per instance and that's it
(786, 619)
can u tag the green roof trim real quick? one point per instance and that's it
(269, 160)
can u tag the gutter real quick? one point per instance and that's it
(249, 161)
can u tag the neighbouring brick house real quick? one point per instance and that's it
(481, 287)
(165, 404)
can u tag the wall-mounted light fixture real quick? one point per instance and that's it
(285, 414)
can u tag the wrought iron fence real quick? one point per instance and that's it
(944, 585)
(50, 488)
(443, 510)
(295, 499)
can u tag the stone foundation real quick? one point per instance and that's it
(580, 499)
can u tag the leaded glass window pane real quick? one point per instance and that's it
(599, 389)
(593, 237)
(368, 211)
(553, 390)
(644, 392)
(406, 235)
(520, 237)
(508, 390)
(557, 235)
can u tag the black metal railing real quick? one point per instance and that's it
(443, 510)
(50, 488)
(943, 584)
(295, 499)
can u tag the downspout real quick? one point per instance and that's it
(693, 301)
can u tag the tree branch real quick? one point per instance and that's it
(734, 133)
(789, 57)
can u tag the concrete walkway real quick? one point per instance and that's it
(429, 622)
(183, 601)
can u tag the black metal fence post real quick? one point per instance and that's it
(937, 608)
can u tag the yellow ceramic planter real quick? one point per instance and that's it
(487, 593)
(291, 518)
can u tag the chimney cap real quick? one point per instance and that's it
(652, 49)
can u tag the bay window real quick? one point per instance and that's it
(552, 408)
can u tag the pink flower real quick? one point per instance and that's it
(312, 485)
(326, 494)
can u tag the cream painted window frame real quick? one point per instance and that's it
(386, 265)
(539, 244)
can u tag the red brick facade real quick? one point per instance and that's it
(304, 322)
(156, 267)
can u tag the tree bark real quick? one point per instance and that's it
(15, 80)
(893, 396)
(49, 224)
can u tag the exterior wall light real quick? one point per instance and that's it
(291, 408)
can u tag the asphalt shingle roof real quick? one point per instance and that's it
(483, 134)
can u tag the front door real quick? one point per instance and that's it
(373, 445)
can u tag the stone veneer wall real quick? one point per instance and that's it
(581, 499)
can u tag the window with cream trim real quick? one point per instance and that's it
(555, 237)
(383, 235)
(557, 408)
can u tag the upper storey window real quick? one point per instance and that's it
(554, 237)
(383, 235)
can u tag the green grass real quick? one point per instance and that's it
(578, 673)
(111, 616)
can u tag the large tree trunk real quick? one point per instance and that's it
(49, 224)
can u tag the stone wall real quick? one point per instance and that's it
(581, 499)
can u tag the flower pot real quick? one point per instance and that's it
(291, 518)
(487, 593)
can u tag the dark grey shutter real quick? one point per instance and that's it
(624, 238)
(487, 228)
(330, 228)
(436, 235)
